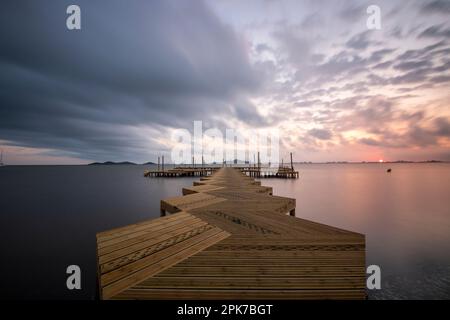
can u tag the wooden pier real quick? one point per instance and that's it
(228, 237)
(256, 172)
(268, 172)
(181, 172)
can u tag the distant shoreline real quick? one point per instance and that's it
(112, 163)
(244, 164)
(128, 163)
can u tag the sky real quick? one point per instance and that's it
(138, 70)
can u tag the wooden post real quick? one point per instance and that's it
(259, 161)
(202, 172)
(259, 166)
(193, 162)
(292, 164)
(163, 163)
(158, 163)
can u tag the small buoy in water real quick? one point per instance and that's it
(389, 170)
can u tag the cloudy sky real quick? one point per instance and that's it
(138, 70)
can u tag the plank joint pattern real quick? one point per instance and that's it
(228, 237)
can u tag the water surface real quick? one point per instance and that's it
(50, 214)
(404, 214)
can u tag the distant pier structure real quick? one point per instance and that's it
(257, 170)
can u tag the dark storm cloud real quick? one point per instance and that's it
(442, 127)
(437, 6)
(359, 41)
(440, 79)
(322, 134)
(427, 65)
(412, 65)
(424, 53)
(138, 68)
(137, 63)
(369, 141)
(312, 20)
(437, 31)
(351, 10)
(347, 62)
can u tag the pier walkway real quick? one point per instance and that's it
(251, 171)
(228, 237)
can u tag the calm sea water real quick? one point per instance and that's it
(50, 214)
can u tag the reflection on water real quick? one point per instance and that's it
(50, 214)
(404, 214)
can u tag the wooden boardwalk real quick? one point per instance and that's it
(228, 237)
(256, 172)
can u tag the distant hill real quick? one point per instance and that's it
(110, 163)
(149, 163)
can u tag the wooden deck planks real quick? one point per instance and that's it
(188, 202)
(229, 238)
(127, 259)
(236, 294)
